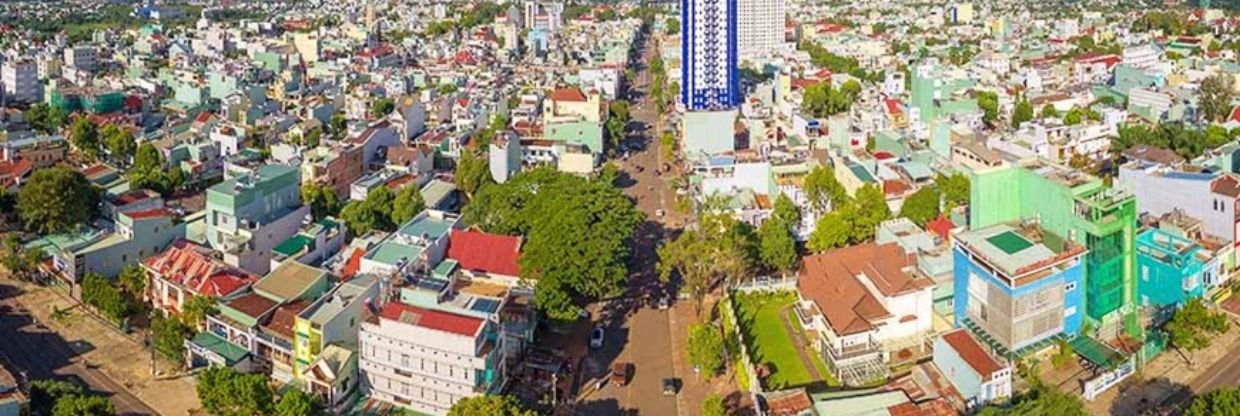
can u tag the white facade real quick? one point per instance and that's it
(421, 368)
(759, 27)
(83, 58)
(21, 81)
(1144, 56)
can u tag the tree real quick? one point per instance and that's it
(312, 138)
(56, 199)
(168, 337)
(787, 211)
(672, 26)
(149, 170)
(616, 121)
(382, 107)
(472, 173)
(823, 190)
(408, 204)
(988, 101)
(1215, 97)
(1192, 326)
(777, 249)
(132, 280)
(339, 125)
(1041, 400)
(832, 231)
(714, 406)
(44, 394)
(196, 309)
(109, 300)
(922, 206)
(83, 405)
(871, 211)
(706, 349)
(296, 402)
(713, 252)
(225, 392)
(497, 405)
(120, 143)
(373, 213)
(1022, 113)
(1049, 111)
(1221, 402)
(954, 189)
(321, 198)
(84, 135)
(1073, 117)
(44, 118)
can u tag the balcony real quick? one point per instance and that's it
(853, 351)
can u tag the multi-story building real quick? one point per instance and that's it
(106, 247)
(186, 270)
(1210, 198)
(759, 27)
(1078, 208)
(710, 79)
(864, 302)
(1173, 269)
(330, 325)
(20, 79)
(427, 359)
(1017, 285)
(82, 58)
(251, 212)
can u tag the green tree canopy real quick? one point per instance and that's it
(706, 349)
(1049, 111)
(922, 206)
(719, 249)
(1040, 401)
(673, 26)
(1022, 113)
(295, 402)
(786, 210)
(833, 230)
(954, 188)
(496, 405)
(168, 337)
(56, 199)
(714, 406)
(149, 171)
(988, 101)
(84, 135)
(777, 248)
(321, 198)
(1193, 325)
(577, 229)
(1222, 402)
(120, 143)
(871, 211)
(83, 405)
(1215, 97)
(225, 392)
(373, 213)
(408, 204)
(823, 190)
(44, 394)
(472, 173)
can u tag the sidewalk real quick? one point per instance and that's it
(1163, 377)
(119, 356)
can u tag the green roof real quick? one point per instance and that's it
(294, 245)
(390, 252)
(1096, 352)
(1009, 242)
(232, 354)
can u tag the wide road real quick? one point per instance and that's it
(32, 349)
(636, 331)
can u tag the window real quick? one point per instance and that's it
(1069, 287)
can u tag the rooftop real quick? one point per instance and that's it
(1018, 249)
(490, 253)
(971, 352)
(339, 300)
(290, 280)
(432, 319)
(832, 280)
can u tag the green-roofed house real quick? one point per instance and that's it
(312, 245)
(421, 240)
(250, 213)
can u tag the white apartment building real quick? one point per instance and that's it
(760, 27)
(425, 360)
(1158, 102)
(1143, 56)
(20, 78)
(83, 58)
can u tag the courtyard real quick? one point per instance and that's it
(775, 340)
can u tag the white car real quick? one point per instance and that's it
(596, 337)
(658, 212)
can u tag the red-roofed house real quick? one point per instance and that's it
(185, 270)
(861, 303)
(569, 104)
(486, 255)
(426, 359)
(978, 377)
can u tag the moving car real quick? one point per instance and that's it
(596, 337)
(669, 387)
(620, 374)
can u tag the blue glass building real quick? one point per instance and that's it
(709, 76)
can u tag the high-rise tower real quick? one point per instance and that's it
(708, 49)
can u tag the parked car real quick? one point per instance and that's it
(663, 303)
(596, 337)
(669, 387)
(620, 374)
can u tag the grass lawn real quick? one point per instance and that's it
(814, 356)
(768, 343)
(742, 374)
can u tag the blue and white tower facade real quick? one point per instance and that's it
(708, 51)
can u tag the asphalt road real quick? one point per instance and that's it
(41, 354)
(637, 332)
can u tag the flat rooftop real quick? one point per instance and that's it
(1016, 249)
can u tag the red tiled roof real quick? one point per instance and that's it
(190, 265)
(354, 263)
(895, 186)
(491, 253)
(831, 281)
(940, 226)
(568, 94)
(400, 181)
(972, 353)
(285, 316)
(431, 319)
(150, 213)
